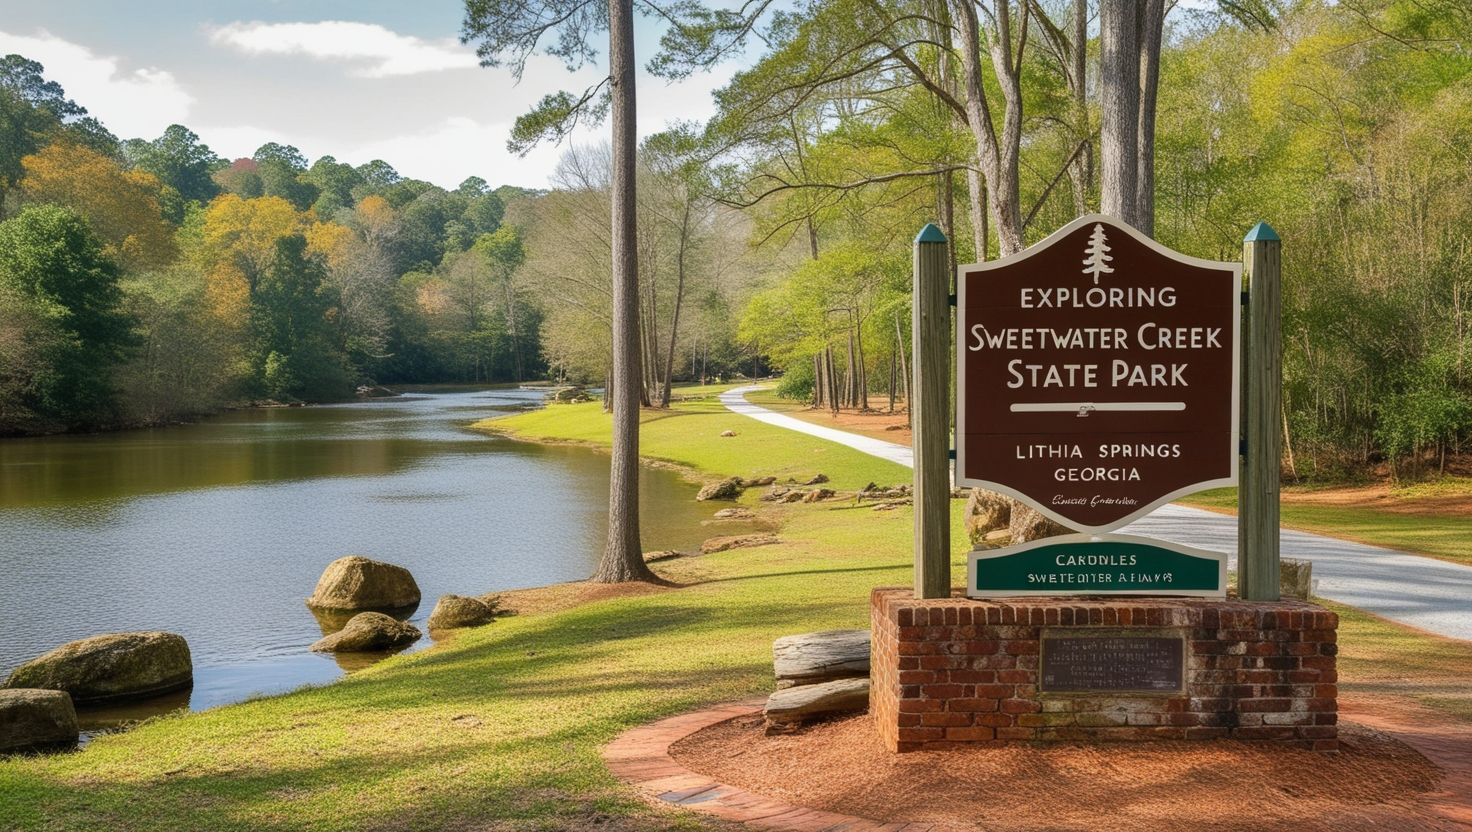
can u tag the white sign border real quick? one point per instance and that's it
(1236, 432)
(976, 556)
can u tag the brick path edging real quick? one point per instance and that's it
(641, 758)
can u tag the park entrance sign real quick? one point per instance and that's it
(1098, 375)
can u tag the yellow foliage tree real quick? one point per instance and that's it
(237, 243)
(122, 206)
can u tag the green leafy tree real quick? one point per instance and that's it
(52, 261)
(32, 110)
(282, 169)
(295, 348)
(180, 160)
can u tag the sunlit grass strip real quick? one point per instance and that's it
(1446, 537)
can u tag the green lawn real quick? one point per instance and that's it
(500, 729)
(1445, 537)
(690, 435)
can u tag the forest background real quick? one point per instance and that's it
(149, 281)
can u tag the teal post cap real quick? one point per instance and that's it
(1259, 233)
(930, 234)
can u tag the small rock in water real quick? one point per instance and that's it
(818, 480)
(455, 611)
(818, 494)
(369, 631)
(727, 489)
(793, 496)
(760, 481)
(32, 718)
(667, 554)
(733, 513)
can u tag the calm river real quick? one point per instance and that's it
(218, 531)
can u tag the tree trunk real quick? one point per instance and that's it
(977, 188)
(623, 556)
(833, 402)
(1120, 125)
(1152, 25)
(511, 322)
(852, 378)
(899, 335)
(998, 155)
(817, 380)
(863, 368)
(669, 364)
(893, 369)
(1083, 176)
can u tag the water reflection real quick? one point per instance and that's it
(218, 531)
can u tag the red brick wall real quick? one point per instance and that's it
(953, 670)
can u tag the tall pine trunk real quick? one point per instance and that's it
(623, 556)
(1120, 126)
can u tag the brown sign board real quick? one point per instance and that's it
(1098, 375)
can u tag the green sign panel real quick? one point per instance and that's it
(1109, 564)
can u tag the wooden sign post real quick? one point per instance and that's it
(930, 413)
(1257, 498)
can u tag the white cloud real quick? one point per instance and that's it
(456, 148)
(384, 51)
(141, 103)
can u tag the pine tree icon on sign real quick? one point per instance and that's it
(1098, 262)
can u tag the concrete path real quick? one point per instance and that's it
(735, 400)
(1425, 593)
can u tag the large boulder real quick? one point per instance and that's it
(814, 658)
(727, 489)
(1027, 524)
(456, 611)
(357, 583)
(367, 632)
(986, 512)
(788, 709)
(111, 668)
(33, 719)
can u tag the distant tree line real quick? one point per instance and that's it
(146, 281)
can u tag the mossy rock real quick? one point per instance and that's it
(357, 583)
(36, 719)
(455, 611)
(727, 489)
(110, 668)
(369, 632)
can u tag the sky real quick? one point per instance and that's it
(355, 79)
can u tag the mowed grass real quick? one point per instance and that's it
(1380, 658)
(690, 435)
(1448, 537)
(503, 724)
(500, 728)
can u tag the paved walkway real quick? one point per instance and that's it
(1425, 593)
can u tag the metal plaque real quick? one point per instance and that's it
(1119, 664)
(1098, 375)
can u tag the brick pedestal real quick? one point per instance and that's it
(953, 670)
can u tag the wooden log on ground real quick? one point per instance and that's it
(787, 709)
(815, 658)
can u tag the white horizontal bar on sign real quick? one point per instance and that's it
(1090, 407)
